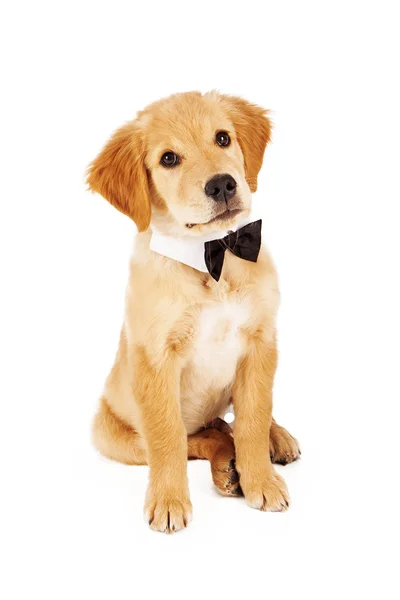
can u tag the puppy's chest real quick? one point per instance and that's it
(219, 339)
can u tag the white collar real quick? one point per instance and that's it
(188, 249)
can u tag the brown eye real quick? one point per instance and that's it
(169, 159)
(222, 139)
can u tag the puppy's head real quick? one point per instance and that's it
(188, 163)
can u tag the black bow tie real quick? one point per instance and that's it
(244, 243)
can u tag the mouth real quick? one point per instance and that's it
(227, 215)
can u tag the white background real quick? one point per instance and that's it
(73, 72)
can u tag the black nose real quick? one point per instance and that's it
(221, 187)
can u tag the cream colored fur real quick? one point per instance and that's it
(190, 345)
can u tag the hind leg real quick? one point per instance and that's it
(283, 447)
(216, 445)
(118, 441)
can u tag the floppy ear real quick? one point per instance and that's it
(119, 174)
(253, 130)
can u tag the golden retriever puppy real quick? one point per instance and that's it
(199, 328)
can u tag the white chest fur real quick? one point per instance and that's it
(218, 343)
(217, 347)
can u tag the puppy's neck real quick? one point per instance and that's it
(189, 249)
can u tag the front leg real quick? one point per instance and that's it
(252, 397)
(156, 392)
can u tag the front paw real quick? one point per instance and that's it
(168, 512)
(266, 491)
